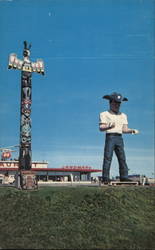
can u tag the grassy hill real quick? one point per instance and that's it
(78, 218)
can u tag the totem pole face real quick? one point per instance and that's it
(25, 129)
(26, 61)
(26, 109)
(26, 53)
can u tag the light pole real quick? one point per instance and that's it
(27, 178)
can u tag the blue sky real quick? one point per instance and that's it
(90, 48)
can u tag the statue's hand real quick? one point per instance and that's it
(135, 131)
(111, 124)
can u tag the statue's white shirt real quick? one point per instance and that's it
(119, 119)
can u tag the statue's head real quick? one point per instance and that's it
(115, 100)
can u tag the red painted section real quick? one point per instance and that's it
(56, 169)
(67, 170)
(13, 165)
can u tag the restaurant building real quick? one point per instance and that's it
(8, 170)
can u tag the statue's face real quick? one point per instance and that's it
(115, 106)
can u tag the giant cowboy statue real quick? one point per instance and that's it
(115, 123)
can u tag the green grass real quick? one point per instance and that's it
(78, 218)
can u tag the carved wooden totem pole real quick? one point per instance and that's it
(26, 175)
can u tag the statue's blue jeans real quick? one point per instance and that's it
(114, 143)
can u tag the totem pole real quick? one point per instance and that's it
(25, 152)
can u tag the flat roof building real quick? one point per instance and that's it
(43, 173)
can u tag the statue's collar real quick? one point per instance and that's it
(114, 113)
